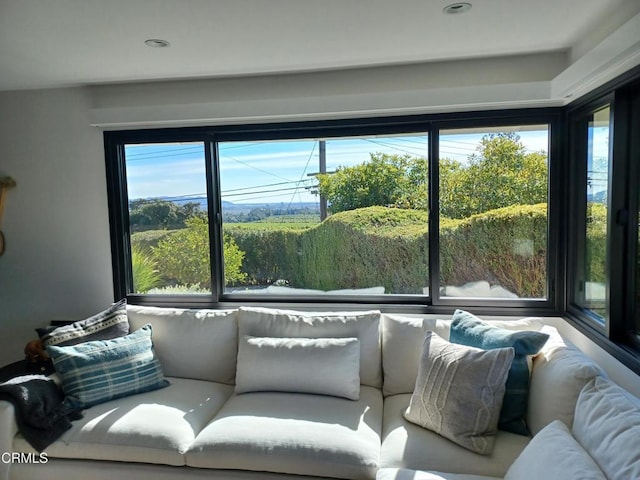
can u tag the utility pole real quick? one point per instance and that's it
(323, 169)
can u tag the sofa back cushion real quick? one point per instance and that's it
(266, 322)
(607, 425)
(559, 373)
(198, 344)
(402, 339)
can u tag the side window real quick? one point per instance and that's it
(593, 165)
(167, 212)
(343, 216)
(494, 197)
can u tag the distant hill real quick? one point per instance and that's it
(237, 208)
(598, 197)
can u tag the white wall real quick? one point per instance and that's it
(503, 82)
(57, 263)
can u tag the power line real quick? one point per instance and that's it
(246, 164)
(262, 186)
(136, 157)
(268, 191)
(304, 171)
(395, 147)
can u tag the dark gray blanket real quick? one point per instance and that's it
(38, 405)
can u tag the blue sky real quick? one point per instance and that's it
(278, 171)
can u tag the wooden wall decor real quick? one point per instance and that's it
(5, 184)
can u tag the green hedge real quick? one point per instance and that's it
(506, 247)
(367, 247)
(385, 246)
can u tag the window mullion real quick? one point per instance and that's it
(215, 219)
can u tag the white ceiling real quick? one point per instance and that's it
(55, 43)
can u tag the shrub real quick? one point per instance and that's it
(148, 239)
(183, 256)
(269, 254)
(366, 247)
(145, 270)
(506, 246)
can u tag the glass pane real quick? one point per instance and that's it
(337, 216)
(493, 212)
(592, 294)
(166, 184)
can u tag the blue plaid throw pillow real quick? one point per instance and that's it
(101, 370)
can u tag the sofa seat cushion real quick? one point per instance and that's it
(151, 427)
(405, 445)
(408, 474)
(294, 433)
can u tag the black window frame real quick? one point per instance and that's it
(553, 301)
(431, 124)
(619, 336)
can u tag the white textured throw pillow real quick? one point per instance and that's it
(554, 453)
(323, 366)
(459, 392)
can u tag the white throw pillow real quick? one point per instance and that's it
(324, 366)
(554, 453)
(607, 425)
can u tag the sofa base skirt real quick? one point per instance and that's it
(62, 469)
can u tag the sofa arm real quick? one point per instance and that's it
(8, 430)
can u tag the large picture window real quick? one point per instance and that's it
(343, 216)
(335, 211)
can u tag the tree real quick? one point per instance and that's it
(501, 174)
(183, 256)
(156, 213)
(385, 180)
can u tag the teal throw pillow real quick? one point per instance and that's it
(467, 329)
(102, 370)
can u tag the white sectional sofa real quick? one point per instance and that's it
(201, 426)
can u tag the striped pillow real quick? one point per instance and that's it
(110, 323)
(102, 370)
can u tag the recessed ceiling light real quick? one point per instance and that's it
(456, 8)
(156, 43)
